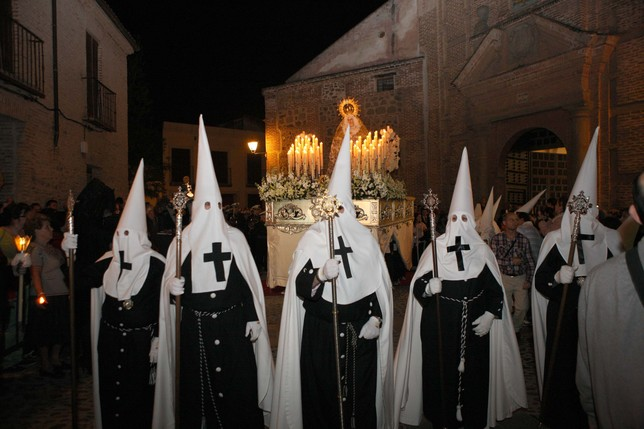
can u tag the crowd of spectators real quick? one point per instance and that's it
(161, 228)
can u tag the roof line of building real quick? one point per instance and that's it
(385, 66)
(117, 22)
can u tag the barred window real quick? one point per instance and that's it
(385, 83)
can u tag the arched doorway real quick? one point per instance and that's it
(536, 161)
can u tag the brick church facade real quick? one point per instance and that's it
(521, 83)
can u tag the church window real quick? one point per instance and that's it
(385, 82)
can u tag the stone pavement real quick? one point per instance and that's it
(28, 400)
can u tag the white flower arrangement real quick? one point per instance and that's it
(279, 187)
(377, 186)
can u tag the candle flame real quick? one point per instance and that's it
(22, 242)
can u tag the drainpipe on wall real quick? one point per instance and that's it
(54, 43)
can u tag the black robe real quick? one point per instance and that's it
(563, 408)
(358, 359)
(475, 379)
(124, 339)
(218, 368)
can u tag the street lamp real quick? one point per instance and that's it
(253, 146)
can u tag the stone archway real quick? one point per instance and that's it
(536, 159)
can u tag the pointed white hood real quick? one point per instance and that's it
(527, 207)
(478, 212)
(340, 181)
(131, 247)
(467, 261)
(485, 224)
(594, 236)
(208, 237)
(355, 281)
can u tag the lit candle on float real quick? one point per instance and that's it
(358, 158)
(363, 162)
(321, 158)
(305, 160)
(298, 159)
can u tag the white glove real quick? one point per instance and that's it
(22, 259)
(176, 285)
(434, 286)
(565, 275)
(371, 329)
(329, 270)
(483, 324)
(154, 350)
(253, 329)
(70, 241)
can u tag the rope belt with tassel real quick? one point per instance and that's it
(461, 366)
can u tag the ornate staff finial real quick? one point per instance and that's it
(325, 206)
(578, 206)
(179, 200)
(430, 200)
(70, 212)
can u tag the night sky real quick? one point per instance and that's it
(214, 57)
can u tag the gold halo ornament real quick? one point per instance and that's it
(349, 106)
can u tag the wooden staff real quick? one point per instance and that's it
(179, 202)
(326, 207)
(431, 202)
(578, 205)
(72, 311)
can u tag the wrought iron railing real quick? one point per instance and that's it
(21, 57)
(101, 105)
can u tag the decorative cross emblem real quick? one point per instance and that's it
(217, 257)
(580, 248)
(458, 247)
(344, 252)
(124, 265)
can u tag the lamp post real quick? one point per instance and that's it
(22, 243)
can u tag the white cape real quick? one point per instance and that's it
(506, 384)
(97, 298)
(164, 392)
(539, 304)
(287, 396)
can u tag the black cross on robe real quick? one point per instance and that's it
(458, 247)
(580, 248)
(124, 265)
(217, 257)
(344, 253)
